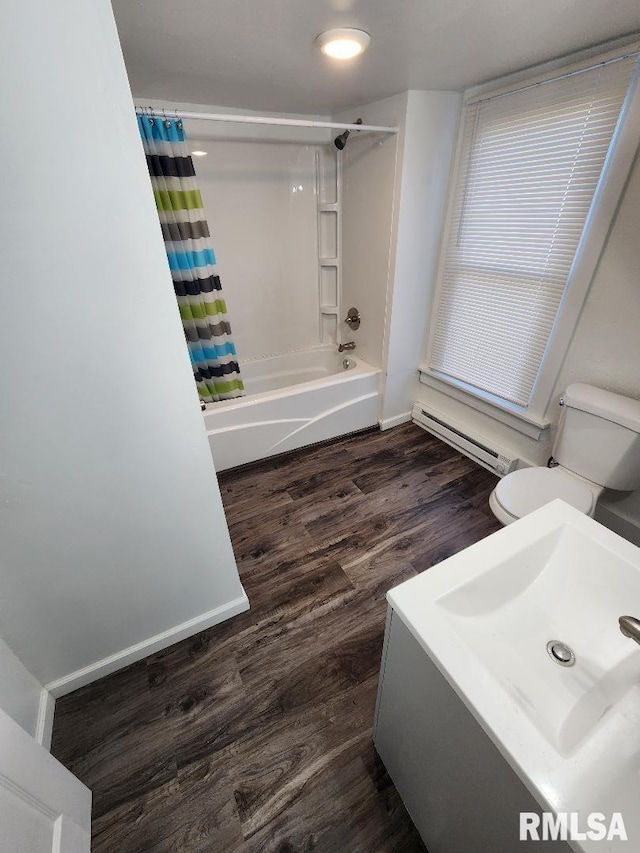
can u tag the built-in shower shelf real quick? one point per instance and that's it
(329, 202)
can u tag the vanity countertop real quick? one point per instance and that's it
(485, 618)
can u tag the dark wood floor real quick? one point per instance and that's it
(255, 736)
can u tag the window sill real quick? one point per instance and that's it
(513, 416)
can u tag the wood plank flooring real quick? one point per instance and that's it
(255, 736)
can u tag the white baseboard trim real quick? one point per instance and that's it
(396, 420)
(44, 723)
(84, 676)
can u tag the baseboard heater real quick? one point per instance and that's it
(495, 460)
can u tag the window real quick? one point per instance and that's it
(531, 163)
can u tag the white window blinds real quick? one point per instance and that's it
(529, 165)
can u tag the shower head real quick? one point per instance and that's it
(341, 141)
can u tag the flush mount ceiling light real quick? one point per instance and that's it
(199, 153)
(343, 43)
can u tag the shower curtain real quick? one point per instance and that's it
(191, 259)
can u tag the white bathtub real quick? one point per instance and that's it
(292, 400)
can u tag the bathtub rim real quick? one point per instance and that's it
(311, 349)
(361, 369)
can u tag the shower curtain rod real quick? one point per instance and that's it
(242, 119)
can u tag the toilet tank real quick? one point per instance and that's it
(599, 437)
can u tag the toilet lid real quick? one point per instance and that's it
(524, 491)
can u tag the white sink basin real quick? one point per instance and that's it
(566, 586)
(485, 617)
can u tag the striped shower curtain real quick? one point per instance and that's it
(191, 259)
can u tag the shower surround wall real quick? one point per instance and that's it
(261, 205)
(273, 201)
(393, 196)
(270, 196)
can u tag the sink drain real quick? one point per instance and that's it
(561, 653)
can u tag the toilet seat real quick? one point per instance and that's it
(524, 491)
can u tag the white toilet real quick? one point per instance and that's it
(597, 447)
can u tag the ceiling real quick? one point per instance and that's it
(260, 54)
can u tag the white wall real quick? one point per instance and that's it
(114, 540)
(371, 173)
(428, 144)
(605, 349)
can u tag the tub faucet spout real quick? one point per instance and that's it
(630, 627)
(348, 345)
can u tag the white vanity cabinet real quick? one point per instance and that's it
(480, 718)
(460, 792)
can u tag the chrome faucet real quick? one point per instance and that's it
(348, 345)
(630, 627)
